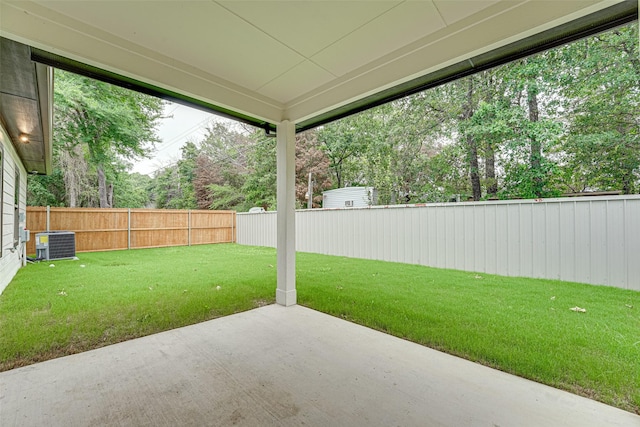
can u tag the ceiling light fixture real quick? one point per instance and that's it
(24, 138)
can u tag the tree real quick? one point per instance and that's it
(103, 123)
(311, 159)
(419, 130)
(225, 197)
(343, 141)
(206, 175)
(186, 172)
(532, 171)
(398, 138)
(46, 190)
(600, 88)
(166, 188)
(260, 185)
(446, 178)
(132, 190)
(222, 167)
(469, 139)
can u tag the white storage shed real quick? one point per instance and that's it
(350, 197)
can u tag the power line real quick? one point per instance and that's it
(183, 135)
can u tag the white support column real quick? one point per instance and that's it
(286, 158)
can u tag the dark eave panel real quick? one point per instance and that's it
(26, 104)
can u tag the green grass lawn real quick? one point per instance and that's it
(521, 326)
(108, 297)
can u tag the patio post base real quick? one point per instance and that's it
(286, 298)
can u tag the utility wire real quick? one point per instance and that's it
(183, 135)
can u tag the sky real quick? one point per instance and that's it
(181, 124)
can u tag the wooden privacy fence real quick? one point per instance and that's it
(113, 229)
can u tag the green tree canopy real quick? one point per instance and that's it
(98, 128)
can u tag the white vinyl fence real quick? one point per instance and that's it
(589, 239)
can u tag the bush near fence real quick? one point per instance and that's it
(589, 239)
(113, 229)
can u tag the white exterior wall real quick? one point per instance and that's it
(589, 239)
(358, 195)
(10, 258)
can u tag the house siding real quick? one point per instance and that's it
(10, 258)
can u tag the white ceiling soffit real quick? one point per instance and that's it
(266, 61)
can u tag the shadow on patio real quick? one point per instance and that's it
(283, 366)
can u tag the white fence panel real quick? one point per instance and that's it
(257, 229)
(591, 240)
(632, 244)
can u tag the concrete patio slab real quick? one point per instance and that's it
(277, 366)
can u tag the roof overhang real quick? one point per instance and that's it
(26, 105)
(309, 62)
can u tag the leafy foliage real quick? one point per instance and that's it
(601, 94)
(98, 128)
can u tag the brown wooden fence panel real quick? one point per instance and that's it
(212, 227)
(96, 229)
(113, 229)
(36, 223)
(152, 228)
(159, 238)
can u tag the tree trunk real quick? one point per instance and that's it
(102, 188)
(474, 176)
(535, 156)
(490, 171)
(73, 169)
(627, 186)
(70, 180)
(338, 171)
(72, 190)
(472, 147)
(110, 195)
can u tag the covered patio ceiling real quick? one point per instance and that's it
(308, 62)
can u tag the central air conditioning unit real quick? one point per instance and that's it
(56, 245)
